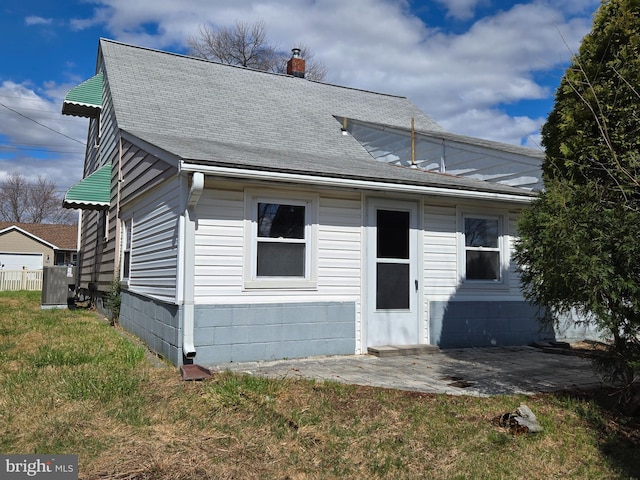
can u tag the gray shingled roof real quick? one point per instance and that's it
(208, 113)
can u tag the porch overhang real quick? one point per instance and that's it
(92, 192)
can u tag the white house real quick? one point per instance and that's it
(256, 216)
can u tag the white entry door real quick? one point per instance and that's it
(392, 273)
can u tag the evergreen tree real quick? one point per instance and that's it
(579, 249)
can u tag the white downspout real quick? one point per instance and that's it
(197, 186)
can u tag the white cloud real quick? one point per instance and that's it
(34, 138)
(34, 20)
(462, 9)
(578, 6)
(517, 130)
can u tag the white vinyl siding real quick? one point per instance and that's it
(440, 251)
(441, 255)
(220, 250)
(154, 243)
(510, 237)
(219, 244)
(339, 246)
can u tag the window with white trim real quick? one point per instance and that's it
(482, 242)
(282, 242)
(126, 249)
(103, 225)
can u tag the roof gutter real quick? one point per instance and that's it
(526, 198)
(197, 187)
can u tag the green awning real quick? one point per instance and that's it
(85, 100)
(91, 193)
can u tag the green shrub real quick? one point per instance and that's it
(113, 300)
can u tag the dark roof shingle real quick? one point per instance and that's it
(64, 237)
(203, 112)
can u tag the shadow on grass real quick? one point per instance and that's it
(618, 433)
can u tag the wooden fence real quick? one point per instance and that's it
(20, 280)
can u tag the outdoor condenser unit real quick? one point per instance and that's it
(58, 284)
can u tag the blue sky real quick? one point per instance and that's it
(485, 68)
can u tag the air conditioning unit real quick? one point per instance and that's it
(58, 286)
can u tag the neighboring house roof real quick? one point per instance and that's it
(199, 112)
(58, 237)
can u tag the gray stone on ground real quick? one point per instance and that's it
(525, 417)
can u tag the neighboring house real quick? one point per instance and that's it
(33, 246)
(255, 216)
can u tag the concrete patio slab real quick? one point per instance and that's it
(468, 371)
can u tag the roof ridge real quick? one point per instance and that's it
(248, 69)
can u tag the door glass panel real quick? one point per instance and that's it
(392, 234)
(392, 286)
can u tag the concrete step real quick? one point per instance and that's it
(402, 350)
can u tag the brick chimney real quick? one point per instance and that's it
(295, 65)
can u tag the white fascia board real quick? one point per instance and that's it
(350, 183)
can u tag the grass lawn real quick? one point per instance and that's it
(71, 384)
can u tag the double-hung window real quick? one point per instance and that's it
(126, 249)
(482, 246)
(281, 244)
(103, 225)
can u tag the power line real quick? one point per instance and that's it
(58, 117)
(41, 124)
(42, 148)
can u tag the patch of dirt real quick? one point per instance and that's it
(620, 418)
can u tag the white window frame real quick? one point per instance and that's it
(104, 224)
(310, 202)
(501, 217)
(127, 240)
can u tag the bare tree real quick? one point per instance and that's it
(31, 202)
(45, 205)
(247, 45)
(14, 196)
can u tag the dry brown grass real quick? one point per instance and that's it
(69, 383)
